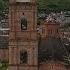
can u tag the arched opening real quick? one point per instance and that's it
(23, 57)
(23, 22)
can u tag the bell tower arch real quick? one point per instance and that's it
(23, 43)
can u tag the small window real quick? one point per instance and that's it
(49, 32)
(43, 31)
(57, 31)
(23, 57)
(23, 22)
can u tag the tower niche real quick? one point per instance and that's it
(23, 43)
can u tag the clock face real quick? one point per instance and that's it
(22, 0)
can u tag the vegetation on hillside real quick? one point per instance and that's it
(3, 6)
(54, 4)
(45, 4)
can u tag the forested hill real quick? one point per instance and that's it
(3, 4)
(45, 4)
(54, 4)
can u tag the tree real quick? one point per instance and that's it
(54, 4)
(3, 65)
(3, 6)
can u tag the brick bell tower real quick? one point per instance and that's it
(23, 43)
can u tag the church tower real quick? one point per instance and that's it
(23, 43)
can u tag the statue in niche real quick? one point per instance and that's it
(23, 22)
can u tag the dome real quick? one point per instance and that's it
(51, 49)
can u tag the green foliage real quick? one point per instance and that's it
(3, 4)
(54, 4)
(66, 25)
(3, 65)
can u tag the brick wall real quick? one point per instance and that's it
(52, 65)
(4, 54)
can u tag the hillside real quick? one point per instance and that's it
(54, 4)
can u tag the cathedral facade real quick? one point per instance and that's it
(32, 48)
